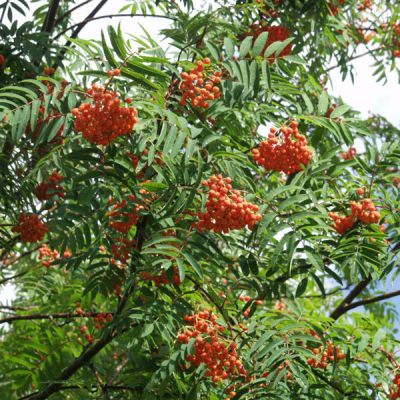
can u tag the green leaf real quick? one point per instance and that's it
(339, 111)
(377, 340)
(294, 59)
(107, 52)
(181, 269)
(145, 69)
(302, 287)
(139, 78)
(213, 50)
(147, 330)
(229, 47)
(245, 46)
(323, 103)
(259, 44)
(117, 42)
(193, 262)
(154, 186)
(266, 72)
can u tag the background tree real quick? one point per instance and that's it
(194, 222)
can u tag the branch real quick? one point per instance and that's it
(371, 300)
(99, 381)
(93, 349)
(78, 29)
(331, 383)
(390, 357)
(116, 372)
(59, 19)
(10, 278)
(32, 317)
(14, 259)
(67, 372)
(354, 58)
(341, 309)
(49, 21)
(109, 16)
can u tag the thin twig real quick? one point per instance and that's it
(59, 19)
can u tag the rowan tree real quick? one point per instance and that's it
(193, 215)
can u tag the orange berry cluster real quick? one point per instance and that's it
(396, 39)
(349, 154)
(225, 208)
(99, 319)
(327, 355)
(200, 89)
(103, 120)
(31, 228)
(395, 391)
(114, 72)
(124, 214)
(121, 250)
(280, 305)
(275, 34)
(162, 279)
(285, 150)
(49, 188)
(117, 289)
(47, 255)
(365, 212)
(247, 298)
(367, 4)
(210, 348)
(341, 223)
(334, 8)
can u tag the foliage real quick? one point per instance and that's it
(102, 300)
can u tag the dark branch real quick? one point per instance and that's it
(67, 372)
(49, 21)
(341, 309)
(371, 300)
(33, 317)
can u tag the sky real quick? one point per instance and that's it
(364, 95)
